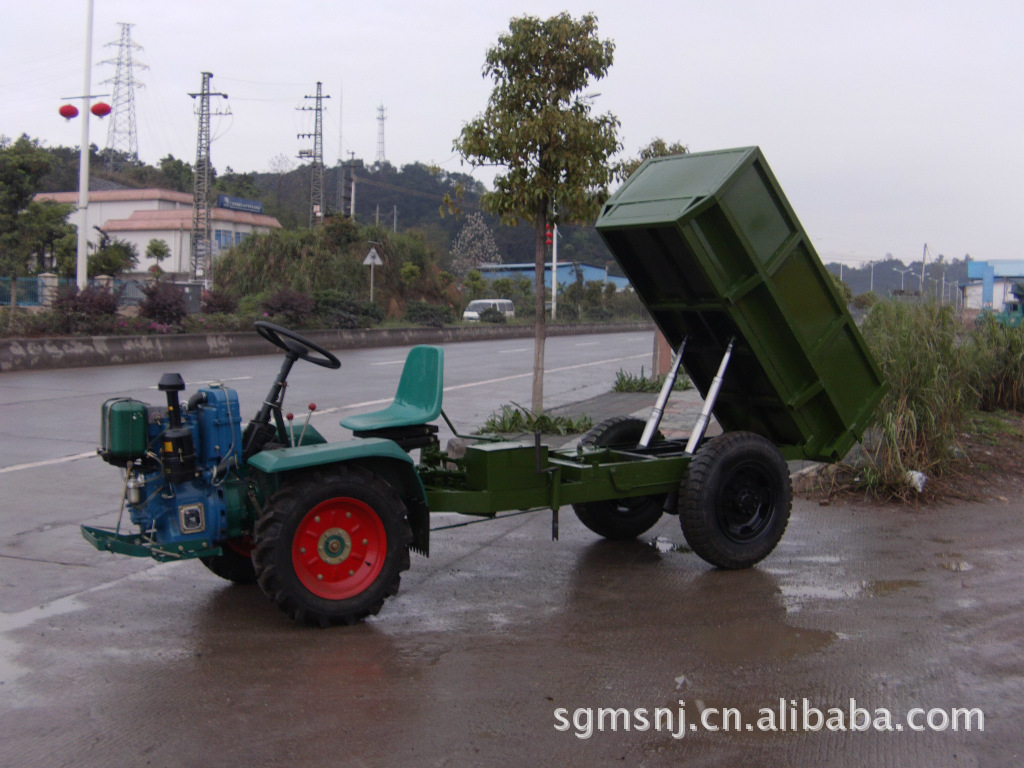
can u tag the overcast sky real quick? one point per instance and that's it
(889, 123)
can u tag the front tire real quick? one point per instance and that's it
(736, 500)
(624, 518)
(235, 562)
(332, 546)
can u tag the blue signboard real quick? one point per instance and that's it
(239, 204)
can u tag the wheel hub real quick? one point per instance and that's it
(334, 546)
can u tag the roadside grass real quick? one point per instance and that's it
(945, 385)
(515, 419)
(631, 382)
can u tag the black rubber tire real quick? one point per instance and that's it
(286, 520)
(736, 500)
(232, 565)
(620, 518)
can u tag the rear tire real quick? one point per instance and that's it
(623, 518)
(332, 546)
(736, 500)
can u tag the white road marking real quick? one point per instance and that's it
(352, 406)
(47, 462)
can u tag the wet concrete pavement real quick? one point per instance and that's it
(501, 628)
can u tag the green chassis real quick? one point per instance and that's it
(492, 478)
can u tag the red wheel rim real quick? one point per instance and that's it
(339, 548)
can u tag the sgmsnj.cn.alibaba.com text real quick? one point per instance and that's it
(788, 715)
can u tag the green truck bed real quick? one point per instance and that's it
(715, 252)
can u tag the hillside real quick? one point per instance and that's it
(407, 199)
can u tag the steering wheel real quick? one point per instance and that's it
(297, 345)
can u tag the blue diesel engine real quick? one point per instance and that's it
(180, 489)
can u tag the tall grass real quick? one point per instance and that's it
(998, 357)
(929, 367)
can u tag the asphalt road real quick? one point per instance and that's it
(503, 648)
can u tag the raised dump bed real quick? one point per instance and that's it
(715, 252)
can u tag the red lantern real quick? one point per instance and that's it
(100, 109)
(547, 234)
(68, 111)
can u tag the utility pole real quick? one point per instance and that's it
(381, 117)
(201, 252)
(352, 193)
(316, 183)
(121, 133)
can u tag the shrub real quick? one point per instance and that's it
(341, 310)
(423, 313)
(218, 303)
(492, 315)
(91, 301)
(164, 303)
(296, 308)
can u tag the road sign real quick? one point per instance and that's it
(373, 259)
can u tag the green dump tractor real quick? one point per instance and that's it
(717, 255)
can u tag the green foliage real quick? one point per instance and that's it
(294, 307)
(475, 284)
(164, 303)
(22, 167)
(843, 288)
(930, 392)
(998, 362)
(424, 313)
(538, 123)
(865, 300)
(157, 250)
(514, 419)
(112, 257)
(336, 309)
(629, 382)
(492, 315)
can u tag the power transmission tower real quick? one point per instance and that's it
(381, 117)
(199, 262)
(122, 136)
(316, 184)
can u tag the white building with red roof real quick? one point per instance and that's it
(139, 215)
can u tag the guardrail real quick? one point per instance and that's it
(86, 351)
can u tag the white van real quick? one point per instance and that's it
(480, 305)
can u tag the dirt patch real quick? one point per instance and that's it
(991, 466)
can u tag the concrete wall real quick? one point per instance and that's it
(80, 352)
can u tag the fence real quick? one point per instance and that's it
(39, 291)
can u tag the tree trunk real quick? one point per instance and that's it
(540, 328)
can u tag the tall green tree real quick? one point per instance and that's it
(538, 126)
(22, 166)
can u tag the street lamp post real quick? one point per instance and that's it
(81, 271)
(903, 277)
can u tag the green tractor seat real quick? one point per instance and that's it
(417, 402)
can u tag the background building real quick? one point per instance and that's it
(567, 274)
(990, 283)
(139, 215)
